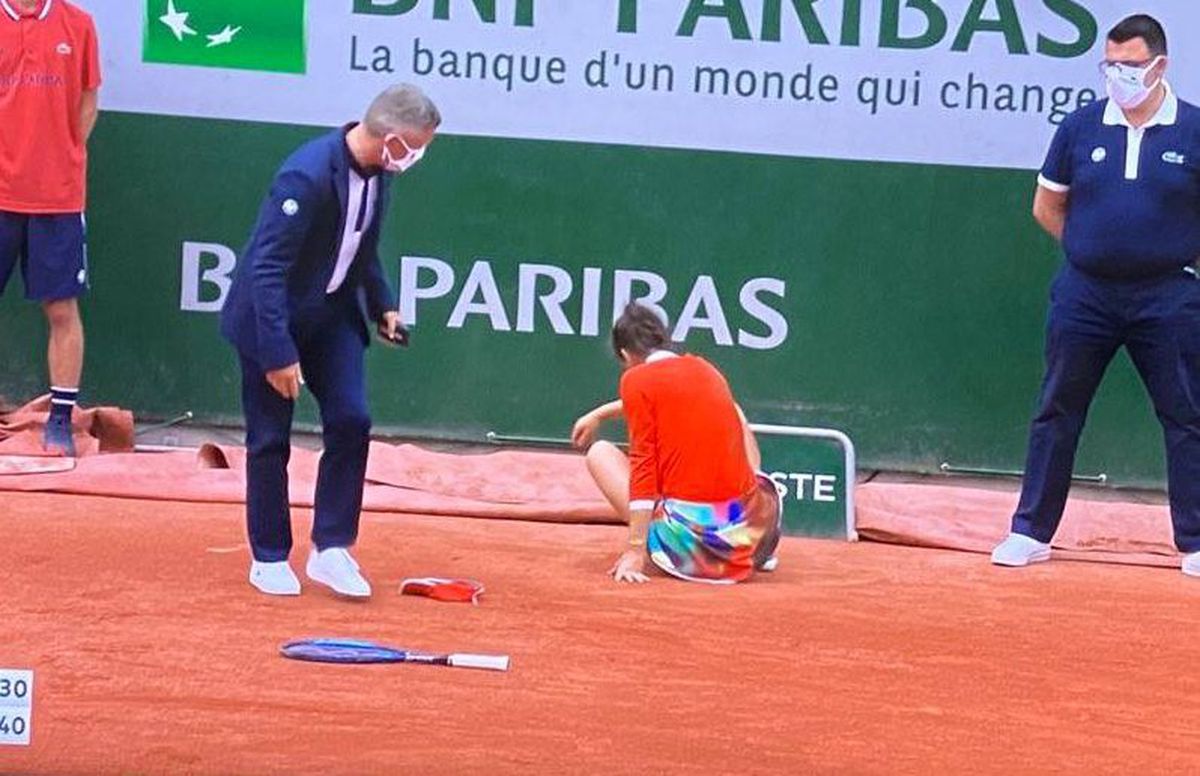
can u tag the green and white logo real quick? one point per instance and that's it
(261, 35)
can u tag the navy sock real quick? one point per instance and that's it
(62, 401)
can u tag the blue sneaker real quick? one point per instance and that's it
(58, 436)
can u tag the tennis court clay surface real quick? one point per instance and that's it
(154, 656)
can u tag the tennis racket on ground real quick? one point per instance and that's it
(355, 651)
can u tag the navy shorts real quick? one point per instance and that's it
(51, 250)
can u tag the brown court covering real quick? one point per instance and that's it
(154, 656)
(550, 487)
(98, 429)
(555, 487)
(1098, 525)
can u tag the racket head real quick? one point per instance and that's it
(336, 650)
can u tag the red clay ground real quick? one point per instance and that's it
(154, 656)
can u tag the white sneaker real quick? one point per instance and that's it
(1019, 550)
(770, 564)
(274, 578)
(336, 569)
(1191, 564)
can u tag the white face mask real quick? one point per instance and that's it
(404, 163)
(1127, 85)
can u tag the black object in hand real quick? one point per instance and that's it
(400, 337)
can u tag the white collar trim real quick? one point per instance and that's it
(660, 355)
(16, 17)
(1167, 113)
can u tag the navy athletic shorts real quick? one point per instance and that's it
(51, 250)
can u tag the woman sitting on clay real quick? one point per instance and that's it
(688, 488)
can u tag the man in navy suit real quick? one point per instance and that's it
(308, 285)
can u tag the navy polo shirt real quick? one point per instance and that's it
(1133, 207)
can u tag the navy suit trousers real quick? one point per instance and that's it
(1158, 322)
(332, 362)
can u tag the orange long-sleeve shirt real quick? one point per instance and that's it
(686, 439)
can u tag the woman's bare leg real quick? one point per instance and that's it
(609, 467)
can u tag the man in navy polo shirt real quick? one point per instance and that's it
(1121, 190)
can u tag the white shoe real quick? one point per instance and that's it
(770, 564)
(1191, 564)
(274, 578)
(1019, 550)
(336, 569)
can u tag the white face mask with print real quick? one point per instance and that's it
(1126, 85)
(404, 163)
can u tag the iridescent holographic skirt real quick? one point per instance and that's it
(719, 543)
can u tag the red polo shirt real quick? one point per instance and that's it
(48, 58)
(685, 433)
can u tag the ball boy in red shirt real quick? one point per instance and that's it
(49, 78)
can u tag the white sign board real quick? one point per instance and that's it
(16, 707)
(965, 82)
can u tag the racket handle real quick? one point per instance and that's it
(485, 662)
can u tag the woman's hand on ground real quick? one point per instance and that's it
(630, 567)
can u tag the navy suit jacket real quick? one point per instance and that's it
(278, 296)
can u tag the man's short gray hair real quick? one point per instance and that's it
(399, 107)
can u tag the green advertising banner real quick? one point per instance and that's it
(828, 200)
(917, 336)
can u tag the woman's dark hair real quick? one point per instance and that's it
(639, 331)
(1141, 26)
